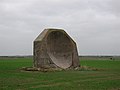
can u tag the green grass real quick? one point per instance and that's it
(12, 78)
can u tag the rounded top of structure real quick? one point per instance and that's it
(46, 32)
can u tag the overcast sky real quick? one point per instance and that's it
(93, 24)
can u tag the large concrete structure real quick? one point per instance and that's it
(54, 48)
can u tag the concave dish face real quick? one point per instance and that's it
(60, 48)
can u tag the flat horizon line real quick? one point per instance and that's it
(32, 55)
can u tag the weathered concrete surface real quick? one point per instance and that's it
(54, 48)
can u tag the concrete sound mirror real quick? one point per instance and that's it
(54, 48)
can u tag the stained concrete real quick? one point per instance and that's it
(54, 48)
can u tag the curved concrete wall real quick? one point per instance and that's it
(60, 49)
(55, 48)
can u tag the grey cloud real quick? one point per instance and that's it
(93, 24)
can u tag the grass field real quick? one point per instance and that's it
(12, 78)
